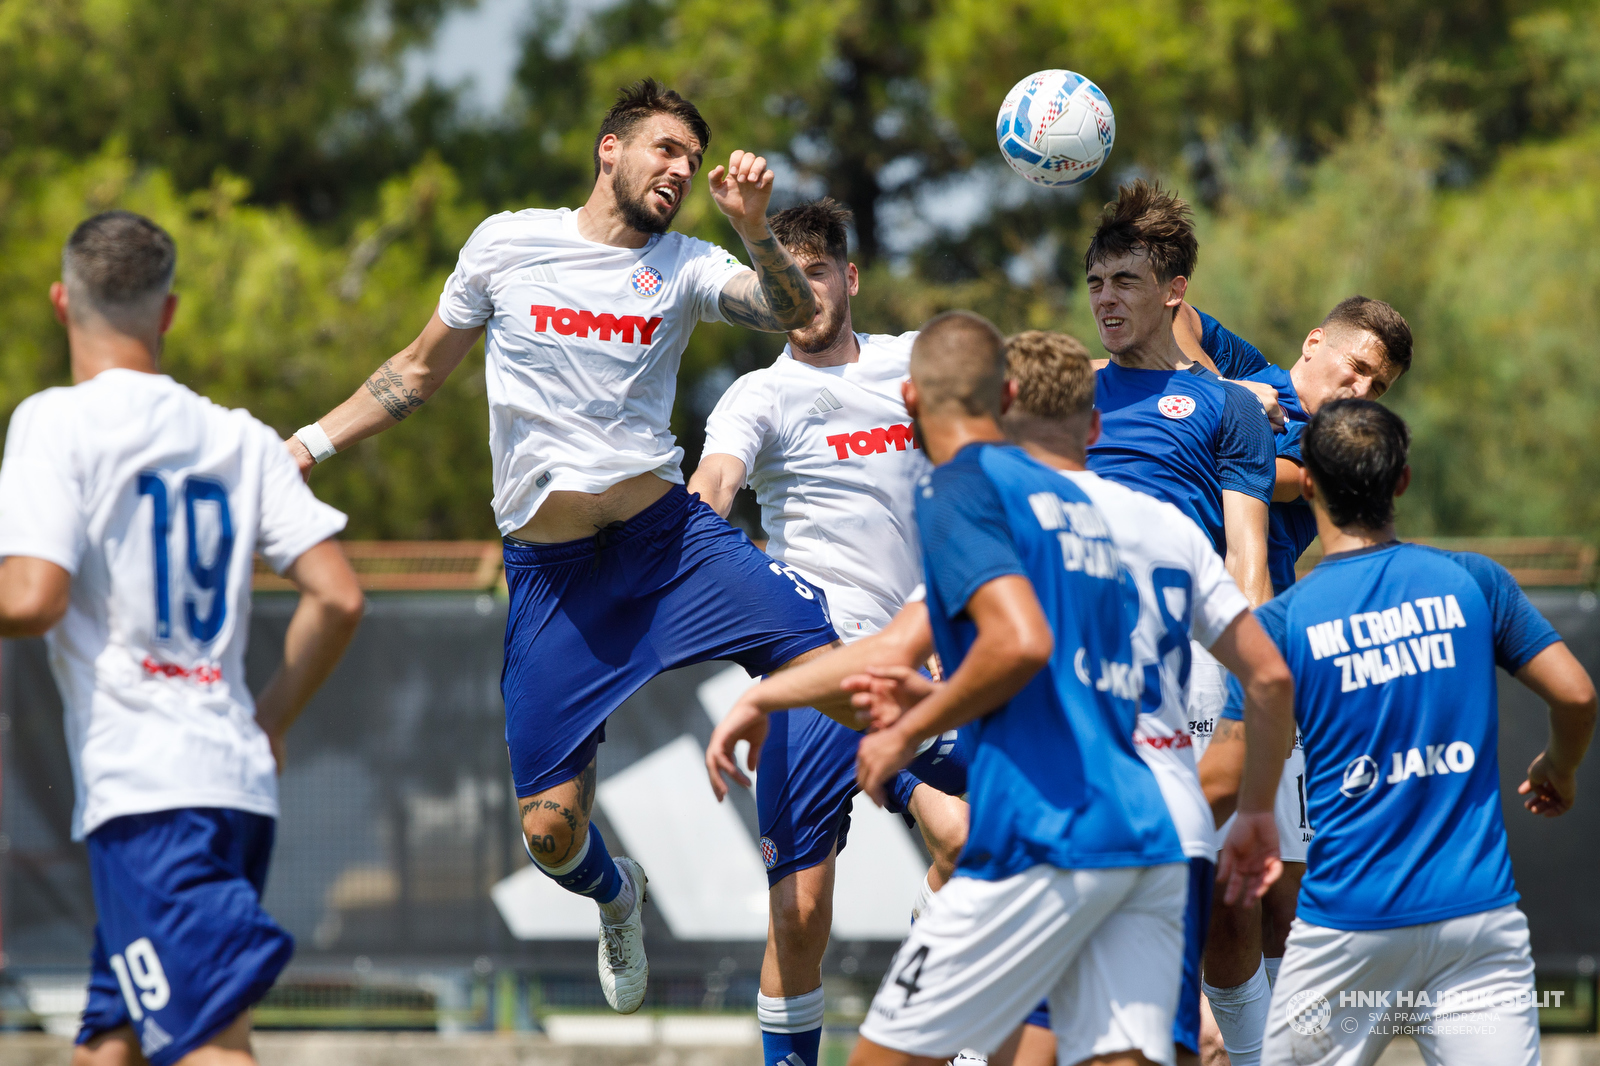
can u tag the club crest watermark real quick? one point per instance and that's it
(1308, 1013)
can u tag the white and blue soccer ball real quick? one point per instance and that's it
(1056, 128)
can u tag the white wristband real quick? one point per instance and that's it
(316, 441)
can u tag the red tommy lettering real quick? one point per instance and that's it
(873, 441)
(569, 321)
(202, 674)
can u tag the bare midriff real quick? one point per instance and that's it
(565, 516)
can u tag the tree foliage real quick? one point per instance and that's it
(1442, 157)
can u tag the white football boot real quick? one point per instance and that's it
(624, 971)
(968, 1057)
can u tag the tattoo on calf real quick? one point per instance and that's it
(389, 389)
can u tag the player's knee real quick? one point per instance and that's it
(554, 831)
(798, 919)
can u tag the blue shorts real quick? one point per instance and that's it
(592, 620)
(807, 781)
(182, 946)
(1196, 919)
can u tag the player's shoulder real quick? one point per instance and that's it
(507, 224)
(1136, 510)
(685, 249)
(1490, 576)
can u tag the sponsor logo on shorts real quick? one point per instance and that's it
(769, 852)
(646, 281)
(1176, 406)
(1360, 777)
(1308, 1013)
(873, 441)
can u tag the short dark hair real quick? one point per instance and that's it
(1053, 374)
(638, 102)
(958, 359)
(1145, 217)
(815, 229)
(1356, 452)
(1380, 320)
(118, 259)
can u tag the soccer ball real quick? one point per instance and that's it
(1056, 128)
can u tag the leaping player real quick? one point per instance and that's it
(131, 510)
(823, 436)
(615, 573)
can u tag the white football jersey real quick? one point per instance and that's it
(1184, 591)
(156, 500)
(582, 346)
(830, 454)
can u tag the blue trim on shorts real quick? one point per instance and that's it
(592, 620)
(1196, 921)
(179, 900)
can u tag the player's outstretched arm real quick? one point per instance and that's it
(775, 297)
(1244, 523)
(402, 384)
(1014, 642)
(1250, 862)
(33, 596)
(906, 641)
(324, 621)
(717, 479)
(1557, 677)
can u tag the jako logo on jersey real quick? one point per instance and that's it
(568, 321)
(1392, 650)
(1360, 777)
(873, 441)
(646, 281)
(1454, 758)
(1176, 406)
(1120, 679)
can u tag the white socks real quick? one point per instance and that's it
(1241, 1014)
(790, 1014)
(924, 897)
(621, 906)
(1272, 970)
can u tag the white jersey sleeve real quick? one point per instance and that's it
(466, 302)
(42, 512)
(743, 421)
(1217, 599)
(292, 519)
(710, 271)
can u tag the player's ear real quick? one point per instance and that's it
(607, 150)
(908, 393)
(852, 279)
(1312, 342)
(1308, 488)
(1008, 395)
(1404, 482)
(1094, 428)
(58, 301)
(1177, 288)
(169, 308)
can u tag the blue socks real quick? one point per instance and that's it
(791, 1028)
(592, 873)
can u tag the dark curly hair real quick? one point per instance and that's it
(638, 102)
(1145, 217)
(1356, 452)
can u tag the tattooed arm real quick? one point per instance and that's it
(775, 297)
(398, 387)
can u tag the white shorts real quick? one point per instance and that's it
(1208, 695)
(1462, 988)
(1104, 946)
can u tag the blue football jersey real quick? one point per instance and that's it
(1393, 651)
(1183, 436)
(1054, 777)
(1290, 526)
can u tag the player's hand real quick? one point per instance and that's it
(1249, 863)
(742, 190)
(1550, 791)
(884, 693)
(743, 722)
(880, 756)
(301, 456)
(1269, 402)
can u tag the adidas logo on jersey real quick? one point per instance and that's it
(568, 321)
(873, 441)
(825, 403)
